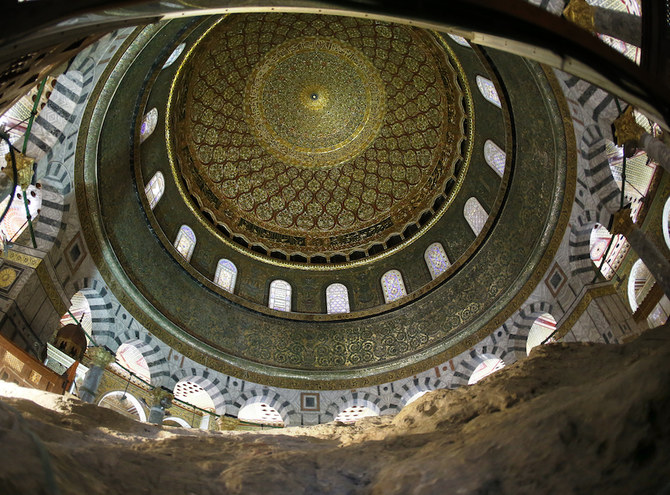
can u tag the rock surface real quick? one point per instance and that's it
(572, 418)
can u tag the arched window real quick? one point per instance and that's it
(488, 90)
(154, 189)
(148, 124)
(543, 326)
(666, 223)
(337, 299)
(226, 274)
(459, 39)
(174, 55)
(185, 242)
(280, 295)
(495, 157)
(475, 215)
(393, 286)
(436, 259)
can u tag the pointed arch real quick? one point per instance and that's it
(488, 90)
(154, 189)
(541, 329)
(271, 398)
(123, 403)
(487, 365)
(495, 157)
(337, 299)
(475, 215)
(185, 242)
(436, 259)
(393, 286)
(226, 275)
(280, 295)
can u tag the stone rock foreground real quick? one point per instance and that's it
(571, 418)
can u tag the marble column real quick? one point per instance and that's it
(161, 400)
(620, 25)
(100, 358)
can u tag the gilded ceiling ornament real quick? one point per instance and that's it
(317, 138)
(161, 397)
(581, 13)
(7, 277)
(24, 168)
(100, 356)
(622, 223)
(626, 129)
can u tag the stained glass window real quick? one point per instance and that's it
(148, 124)
(436, 259)
(488, 90)
(280, 295)
(154, 189)
(495, 157)
(543, 326)
(459, 39)
(226, 274)
(185, 242)
(475, 215)
(337, 299)
(393, 286)
(174, 55)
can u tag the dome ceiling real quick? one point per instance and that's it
(492, 268)
(312, 136)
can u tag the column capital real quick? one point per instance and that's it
(582, 14)
(161, 397)
(100, 356)
(622, 223)
(626, 129)
(24, 169)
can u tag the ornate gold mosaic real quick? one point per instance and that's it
(314, 101)
(316, 135)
